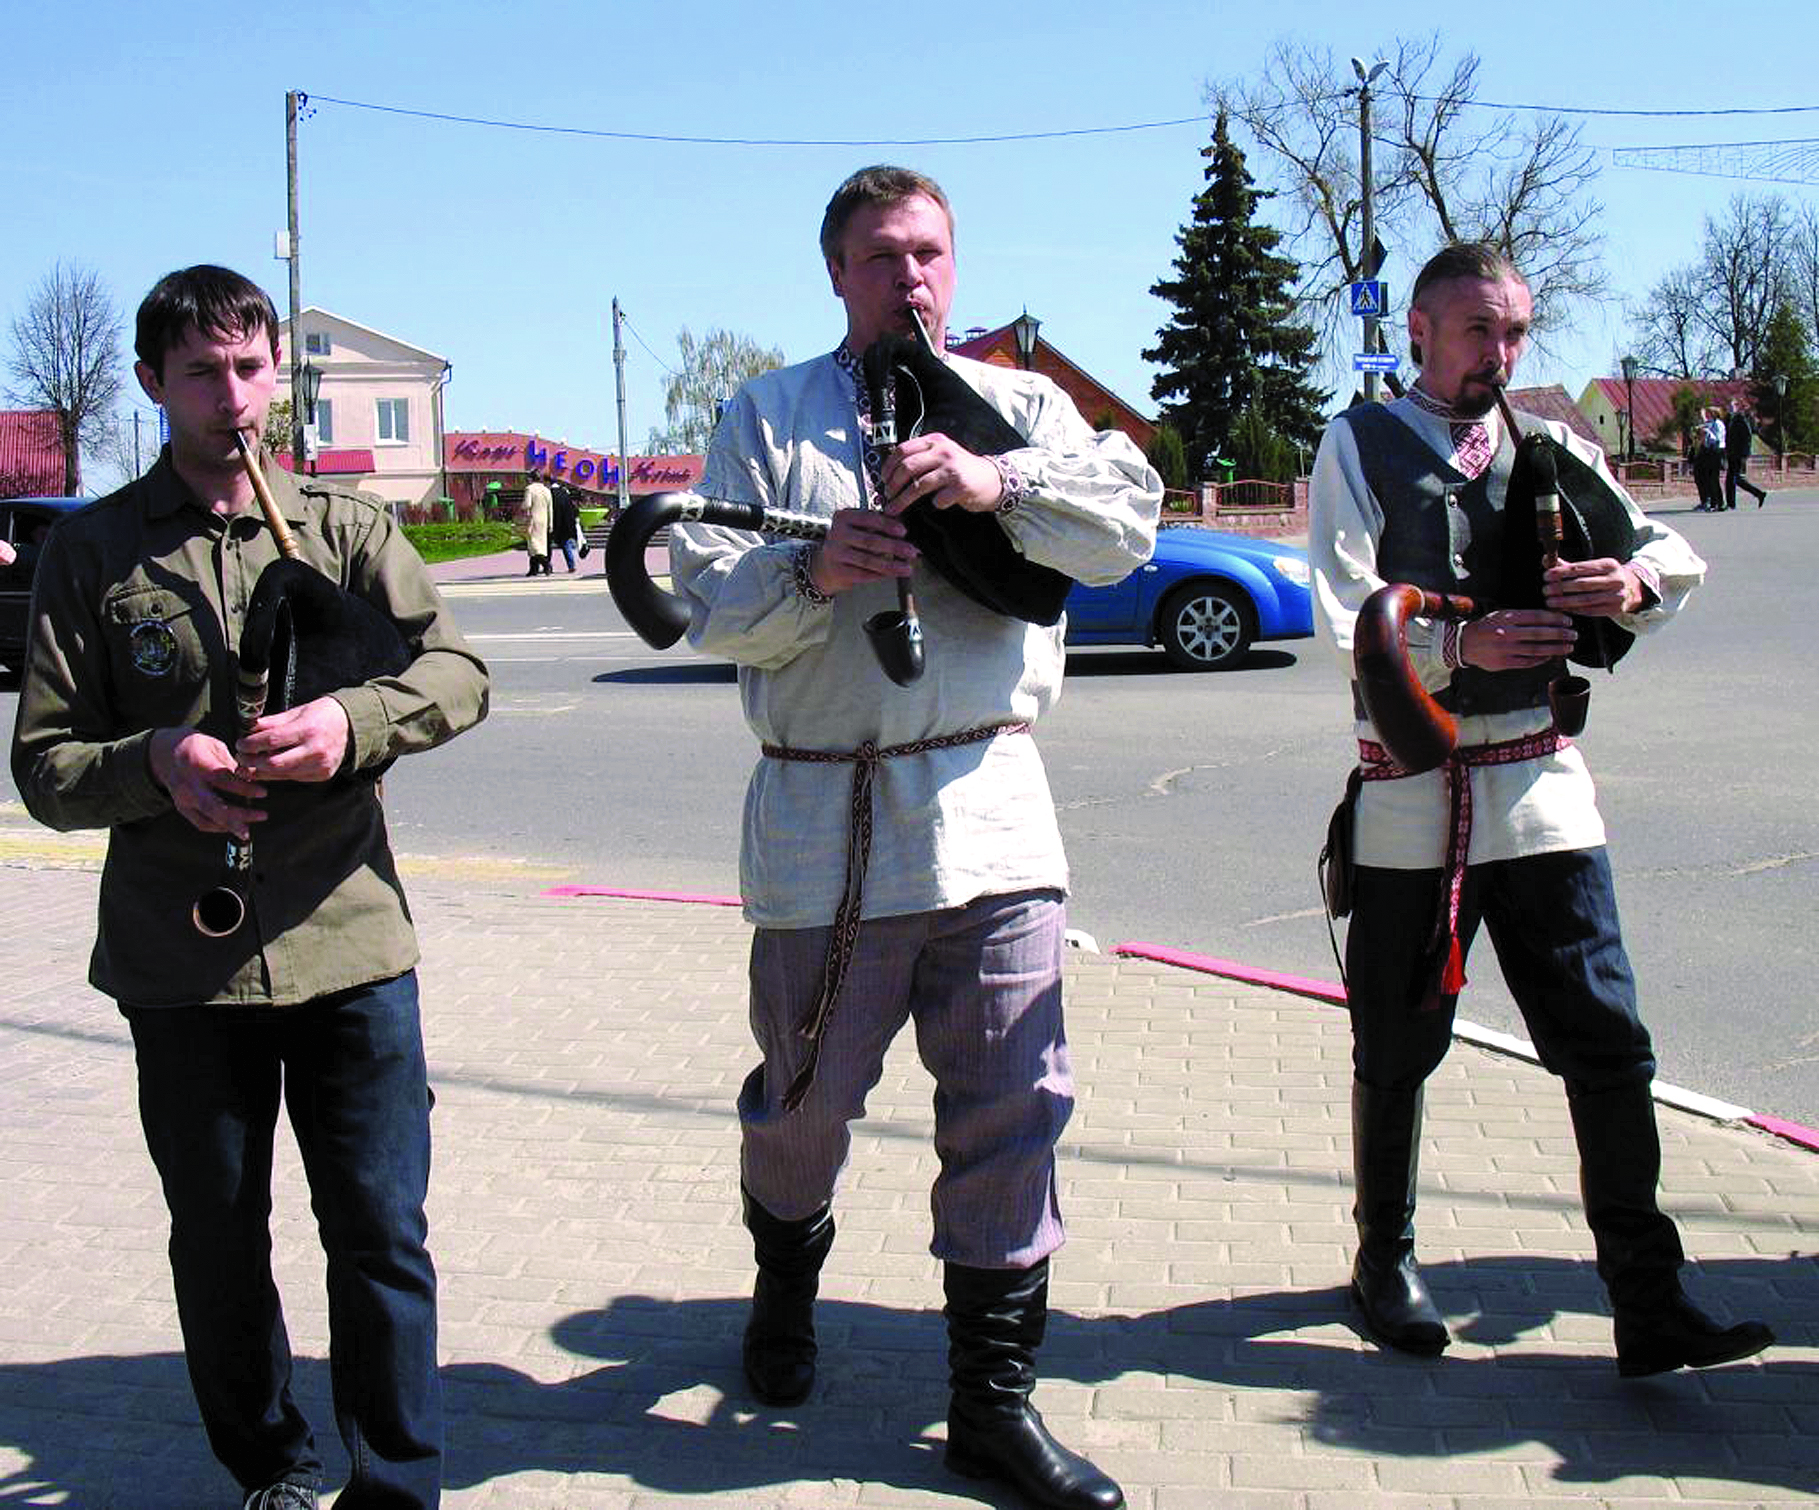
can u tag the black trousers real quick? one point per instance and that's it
(1553, 922)
(1734, 467)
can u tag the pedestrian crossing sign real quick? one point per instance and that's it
(1368, 297)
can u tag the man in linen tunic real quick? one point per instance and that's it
(962, 896)
(1536, 871)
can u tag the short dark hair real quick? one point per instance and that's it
(878, 184)
(1477, 260)
(214, 300)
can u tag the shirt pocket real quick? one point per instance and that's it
(159, 647)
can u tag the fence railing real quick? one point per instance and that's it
(1247, 506)
(1663, 477)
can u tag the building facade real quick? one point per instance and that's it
(378, 410)
(495, 464)
(31, 454)
(1606, 400)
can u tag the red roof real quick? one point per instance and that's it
(1090, 396)
(1655, 398)
(31, 460)
(1554, 402)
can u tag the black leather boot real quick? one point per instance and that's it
(996, 1319)
(779, 1348)
(1387, 1286)
(1658, 1328)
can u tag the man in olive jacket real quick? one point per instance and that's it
(128, 721)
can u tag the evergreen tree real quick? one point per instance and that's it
(1790, 423)
(1235, 339)
(1169, 457)
(1258, 451)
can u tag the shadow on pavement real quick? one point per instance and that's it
(681, 673)
(1090, 661)
(667, 1410)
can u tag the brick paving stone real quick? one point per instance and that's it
(586, 1056)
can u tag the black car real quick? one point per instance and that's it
(24, 522)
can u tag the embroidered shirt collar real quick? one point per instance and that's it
(1422, 399)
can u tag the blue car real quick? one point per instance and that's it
(1206, 597)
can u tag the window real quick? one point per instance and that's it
(394, 420)
(315, 344)
(325, 423)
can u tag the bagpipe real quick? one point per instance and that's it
(304, 636)
(1556, 508)
(912, 392)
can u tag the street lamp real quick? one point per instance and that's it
(1024, 328)
(309, 384)
(1367, 77)
(1629, 383)
(1780, 415)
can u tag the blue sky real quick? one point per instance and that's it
(141, 141)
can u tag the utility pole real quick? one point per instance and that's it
(1369, 255)
(625, 489)
(291, 101)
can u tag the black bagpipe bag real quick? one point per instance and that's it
(971, 551)
(311, 636)
(1593, 523)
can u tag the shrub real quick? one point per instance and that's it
(452, 542)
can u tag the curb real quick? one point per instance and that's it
(1474, 1033)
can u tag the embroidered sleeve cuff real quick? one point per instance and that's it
(804, 582)
(1449, 644)
(1650, 578)
(1011, 480)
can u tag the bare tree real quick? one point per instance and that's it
(1670, 337)
(1803, 271)
(1444, 169)
(1746, 263)
(1711, 317)
(120, 452)
(712, 368)
(66, 357)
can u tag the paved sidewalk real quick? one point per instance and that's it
(585, 1054)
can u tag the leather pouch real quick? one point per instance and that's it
(1337, 856)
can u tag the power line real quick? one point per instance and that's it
(676, 139)
(756, 141)
(625, 320)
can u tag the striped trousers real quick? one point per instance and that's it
(983, 984)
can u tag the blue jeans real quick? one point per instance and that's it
(351, 1071)
(568, 552)
(1553, 921)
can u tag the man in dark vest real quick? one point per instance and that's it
(1414, 491)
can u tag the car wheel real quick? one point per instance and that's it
(1206, 625)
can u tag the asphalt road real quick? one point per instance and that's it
(1193, 804)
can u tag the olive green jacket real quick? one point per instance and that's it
(136, 614)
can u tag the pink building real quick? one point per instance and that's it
(378, 409)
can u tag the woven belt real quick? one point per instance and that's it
(1376, 764)
(845, 932)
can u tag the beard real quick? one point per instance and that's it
(1477, 394)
